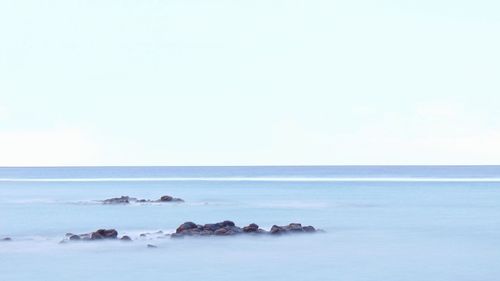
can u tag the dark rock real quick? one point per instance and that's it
(222, 231)
(277, 229)
(104, 234)
(251, 228)
(293, 227)
(227, 228)
(168, 198)
(309, 228)
(126, 238)
(152, 246)
(118, 200)
(127, 200)
(227, 223)
(297, 227)
(186, 226)
(74, 237)
(6, 239)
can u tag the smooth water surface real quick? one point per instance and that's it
(381, 223)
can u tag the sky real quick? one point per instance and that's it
(262, 82)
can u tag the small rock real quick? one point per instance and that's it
(7, 239)
(168, 198)
(309, 228)
(74, 237)
(251, 228)
(152, 246)
(126, 238)
(104, 234)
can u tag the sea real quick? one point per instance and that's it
(380, 223)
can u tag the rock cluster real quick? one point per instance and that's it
(128, 200)
(99, 234)
(227, 228)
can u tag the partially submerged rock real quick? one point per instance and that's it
(167, 198)
(100, 234)
(6, 239)
(224, 228)
(126, 238)
(119, 200)
(228, 228)
(291, 228)
(128, 200)
(104, 234)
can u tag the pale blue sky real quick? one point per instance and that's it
(249, 82)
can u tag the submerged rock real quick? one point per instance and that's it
(99, 234)
(228, 228)
(128, 200)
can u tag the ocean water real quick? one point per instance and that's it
(381, 223)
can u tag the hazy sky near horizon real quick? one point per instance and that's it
(249, 82)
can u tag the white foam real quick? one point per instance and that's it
(256, 179)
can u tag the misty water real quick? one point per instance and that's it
(380, 223)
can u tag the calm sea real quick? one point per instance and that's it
(389, 223)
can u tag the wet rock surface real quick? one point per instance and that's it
(128, 200)
(228, 228)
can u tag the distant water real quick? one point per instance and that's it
(386, 223)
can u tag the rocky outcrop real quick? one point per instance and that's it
(119, 200)
(228, 228)
(291, 228)
(128, 200)
(224, 228)
(100, 234)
